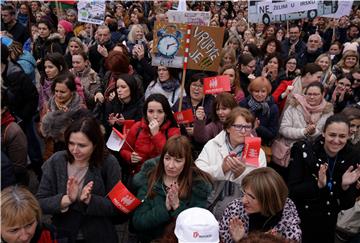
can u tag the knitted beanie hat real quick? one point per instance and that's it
(66, 25)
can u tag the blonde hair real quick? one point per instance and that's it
(18, 206)
(349, 53)
(134, 27)
(259, 83)
(231, 52)
(269, 189)
(77, 41)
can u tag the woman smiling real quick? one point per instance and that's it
(322, 179)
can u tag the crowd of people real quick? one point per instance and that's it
(67, 85)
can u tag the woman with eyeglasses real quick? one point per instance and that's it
(322, 179)
(221, 156)
(264, 207)
(262, 105)
(306, 115)
(195, 100)
(341, 95)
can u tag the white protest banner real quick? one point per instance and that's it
(92, 12)
(189, 17)
(344, 9)
(293, 6)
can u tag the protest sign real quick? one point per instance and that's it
(185, 116)
(251, 151)
(205, 47)
(92, 12)
(218, 84)
(168, 44)
(189, 17)
(344, 9)
(278, 11)
(123, 199)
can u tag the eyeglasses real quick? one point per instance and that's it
(312, 94)
(249, 196)
(240, 127)
(199, 86)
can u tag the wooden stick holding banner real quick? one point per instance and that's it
(186, 54)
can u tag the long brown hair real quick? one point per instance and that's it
(179, 147)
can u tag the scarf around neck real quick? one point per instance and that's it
(259, 106)
(311, 113)
(237, 150)
(170, 85)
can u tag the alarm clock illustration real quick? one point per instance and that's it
(168, 44)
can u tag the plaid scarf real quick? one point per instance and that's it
(255, 106)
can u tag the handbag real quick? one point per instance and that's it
(223, 193)
(281, 152)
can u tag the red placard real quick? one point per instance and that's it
(218, 84)
(185, 116)
(252, 151)
(123, 199)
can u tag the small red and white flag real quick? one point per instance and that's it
(123, 199)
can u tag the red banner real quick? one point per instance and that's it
(185, 116)
(123, 199)
(215, 85)
(252, 151)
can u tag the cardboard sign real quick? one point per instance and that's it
(189, 17)
(123, 199)
(205, 47)
(92, 12)
(168, 44)
(204, 51)
(252, 151)
(218, 84)
(116, 140)
(185, 116)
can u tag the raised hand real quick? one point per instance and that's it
(154, 127)
(86, 192)
(200, 113)
(322, 175)
(72, 188)
(236, 228)
(350, 176)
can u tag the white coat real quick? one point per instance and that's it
(212, 156)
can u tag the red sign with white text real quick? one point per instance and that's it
(123, 199)
(185, 116)
(218, 84)
(251, 151)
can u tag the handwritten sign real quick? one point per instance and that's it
(123, 199)
(252, 151)
(205, 46)
(204, 49)
(185, 116)
(218, 84)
